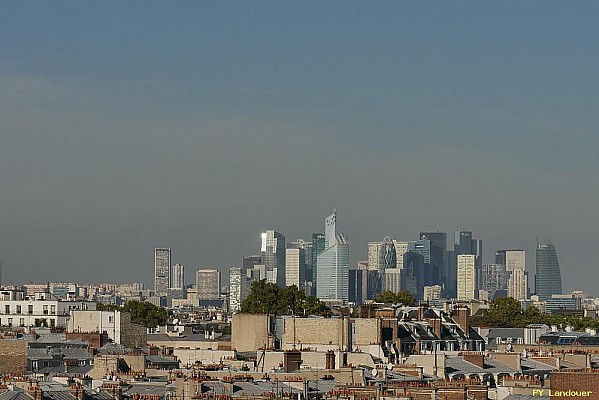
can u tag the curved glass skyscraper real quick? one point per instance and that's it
(548, 278)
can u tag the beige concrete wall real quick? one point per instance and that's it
(85, 321)
(190, 356)
(13, 356)
(103, 366)
(366, 331)
(135, 363)
(315, 360)
(189, 344)
(427, 362)
(316, 333)
(250, 332)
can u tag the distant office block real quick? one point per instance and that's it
(295, 267)
(272, 252)
(333, 264)
(393, 280)
(317, 248)
(239, 287)
(494, 279)
(466, 277)
(433, 293)
(438, 247)
(412, 274)
(162, 269)
(250, 261)
(306, 248)
(178, 277)
(548, 279)
(208, 284)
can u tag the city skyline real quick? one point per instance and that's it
(232, 119)
(170, 264)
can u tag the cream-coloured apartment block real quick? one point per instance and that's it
(40, 310)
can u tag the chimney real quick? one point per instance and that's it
(421, 310)
(292, 359)
(87, 381)
(330, 359)
(35, 391)
(461, 316)
(477, 359)
(77, 391)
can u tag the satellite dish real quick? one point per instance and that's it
(389, 367)
(375, 372)
(175, 321)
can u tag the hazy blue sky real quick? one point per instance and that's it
(196, 125)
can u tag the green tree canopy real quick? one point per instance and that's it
(404, 298)
(143, 313)
(505, 312)
(268, 298)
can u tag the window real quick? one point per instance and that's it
(21, 321)
(10, 322)
(53, 309)
(19, 310)
(45, 309)
(7, 309)
(110, 319)
(30, 309)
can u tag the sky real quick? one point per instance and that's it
(126, 126)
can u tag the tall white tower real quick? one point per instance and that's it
(162, 270)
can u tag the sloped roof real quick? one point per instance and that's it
(112, 349)
(68, 353)
(530, 366)
(15, 394)
(457, 365)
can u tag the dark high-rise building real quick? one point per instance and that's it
(438, 240)
(358, 283)
(548, 279)
(412, 274)
(423, 247)
(462, 241)
(450, 288)
(250, 261)
(317, 248)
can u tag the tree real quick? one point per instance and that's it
(506, 313)
(404, 298)
(142, 313)
(263, 298)
(268, 298)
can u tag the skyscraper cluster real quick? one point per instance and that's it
(429, 270)
(426, 267)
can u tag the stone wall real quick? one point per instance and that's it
(13, 356)
(317, 333)
(250, 332)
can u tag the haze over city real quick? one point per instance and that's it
(197, 126)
